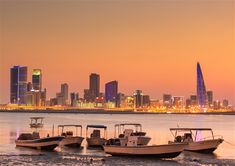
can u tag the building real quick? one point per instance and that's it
(178, 101)
(210, 97)
(225, 103)
(62, 96)
(167, 100)
(216, 105)
(111, 91)
(146, 100)
(33, 98)
(120, 100)
(74, 97)
(37, 79)
(29, 86)
(193, 100)
(201, 88)
(138, 98)
(94, 85)
(87, 95)
(18, 84)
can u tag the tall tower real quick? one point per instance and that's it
(18, 87)
(37, 79)
(111, 91)
(201, 88)
(94, 85)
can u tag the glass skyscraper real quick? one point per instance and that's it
(111, 91)
(94, 86)
(18, 87)
(201, 88)
(37, 79)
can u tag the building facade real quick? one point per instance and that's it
(94, 86)
(201, 88)
(18, 84)
(111, 91)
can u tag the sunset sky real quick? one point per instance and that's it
(145, 44)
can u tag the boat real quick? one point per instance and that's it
(120, 131)
(95, 139)
(36, 122)
(70, 139)
(115, 147)
(193, 137)
(33, 140)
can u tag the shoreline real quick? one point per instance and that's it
(101, 111)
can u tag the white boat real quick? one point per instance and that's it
(196, 143)
(34, 141)
(95, 139)
(132, 149)
(36, 122)
(70, 139)
(121, 133)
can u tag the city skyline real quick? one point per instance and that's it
(142, 46)
(30, 93)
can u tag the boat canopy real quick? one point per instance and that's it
(36, 118)
(96, 126)
(69, 125)
(188, 129)
(128, 124)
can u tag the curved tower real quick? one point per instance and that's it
(201, 88)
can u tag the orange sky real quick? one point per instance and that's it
(148, 45)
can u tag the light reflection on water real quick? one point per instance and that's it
(156, 126)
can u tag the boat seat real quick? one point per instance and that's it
(178, 138)
(188, 137)
(36, 135)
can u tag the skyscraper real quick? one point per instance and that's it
(37, 79)
(201, 88)
(210, 97)
(18, 87)
(94, 86)
(111, 91)
(138, 98)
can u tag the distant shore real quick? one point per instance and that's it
(102, 111)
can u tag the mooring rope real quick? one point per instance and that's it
(229, 143)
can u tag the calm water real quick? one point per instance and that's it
(156, 126)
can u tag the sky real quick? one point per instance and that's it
(152, 45)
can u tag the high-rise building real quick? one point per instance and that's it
(210, 97)
(111, 91)
(37, 79)
(138, 98)
(94, 86)
(87, 95)
(18, 87)
(63, 95)
(74, 98)
(201, 88)
(29, 86)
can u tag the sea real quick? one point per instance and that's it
(155, 125)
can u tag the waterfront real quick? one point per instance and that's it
(157, 126)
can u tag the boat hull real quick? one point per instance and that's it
(72, 141)
(49, 143)
(207, 146)
(157, 151)
(95, 142)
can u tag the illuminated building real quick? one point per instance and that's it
(18, 84)
(216, 105)
(201, 88)
(33, 98)
(138, 98)
(210, 97)
(146, 100)
(178, 101)
(43, 97)
(167, 100)
(120, 100)
(94, 86)
(37, 79)
(193, 100)
(111, 91)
